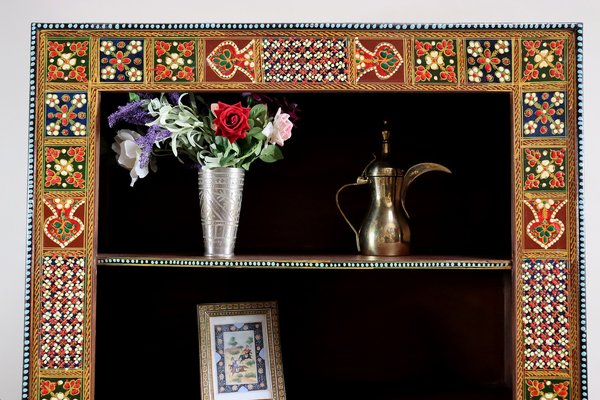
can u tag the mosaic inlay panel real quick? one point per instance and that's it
(543, 60)
(229, 61)
(174, 60)
(377, 61)
(67, 60)
(121, 60)
(435, 61)
(66, 114)
(64, 221)
(65, 167)
(61, 389)
(545, 169)
(545, 229)
(552, 389)
(489, 61)
(544, 114)
(305, 60)
(545, 315)
(62, 299)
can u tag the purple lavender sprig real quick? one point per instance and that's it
(132, 113)
(146, 142)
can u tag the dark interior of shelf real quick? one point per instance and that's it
(345, 334)
(289, 207)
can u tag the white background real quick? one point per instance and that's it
(17, 15)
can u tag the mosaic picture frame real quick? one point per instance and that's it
(538, 65)
(240, 351)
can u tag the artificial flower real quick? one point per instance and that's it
(129, 153)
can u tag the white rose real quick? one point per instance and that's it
(128, 153)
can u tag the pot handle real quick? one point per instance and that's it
(359, 182)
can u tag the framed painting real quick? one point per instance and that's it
(240, 353)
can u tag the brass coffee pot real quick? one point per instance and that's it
(385, 230)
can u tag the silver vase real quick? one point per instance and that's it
(220, 204)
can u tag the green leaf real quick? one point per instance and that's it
(255, 132)
(134, 97)
(259, 111)
(271, 154)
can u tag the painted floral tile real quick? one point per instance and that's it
(121, 60)
(543, 60)
(61, 389)
(542, 389)
(545, 169)
(67, 60)
(544, 114)
(174, 60)
(62, 307)
(377, 61)
(66, 114)
(489, 61)
(545, 315)
(65, 167)
(435, 61)
(230, 60)
(305, 60)
(545, 221)
(63, 222)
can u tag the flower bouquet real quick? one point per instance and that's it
(221, 139)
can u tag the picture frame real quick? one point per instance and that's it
(240, 354)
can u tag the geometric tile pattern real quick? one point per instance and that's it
(489, 61)
(226, 59)
(382, 63)
(66, 114)
(546, 229)
(308, 60)
(544, 114)
(65, 167)
(544, 169)
(67, 60)
(62, 300)
(174, 60)
(61, 389)
(545, 315)
(435, 61)
(543, 60)
(121, 60)
(63, 222)
(553, 389)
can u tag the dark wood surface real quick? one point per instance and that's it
(289, 207)
(376, 334)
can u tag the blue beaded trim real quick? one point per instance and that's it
(30, 206)
(309, 264)
(315, 25)
(582, 290)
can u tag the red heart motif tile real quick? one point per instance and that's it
(226, 59)
(385, 60)
(545, 229)
(63, 227)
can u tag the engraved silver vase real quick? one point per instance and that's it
(220, 204)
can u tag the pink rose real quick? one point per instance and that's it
(282, 128)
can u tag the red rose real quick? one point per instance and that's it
(231, 121)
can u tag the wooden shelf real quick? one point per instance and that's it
(306, 261)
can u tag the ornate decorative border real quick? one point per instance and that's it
(444, 55)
